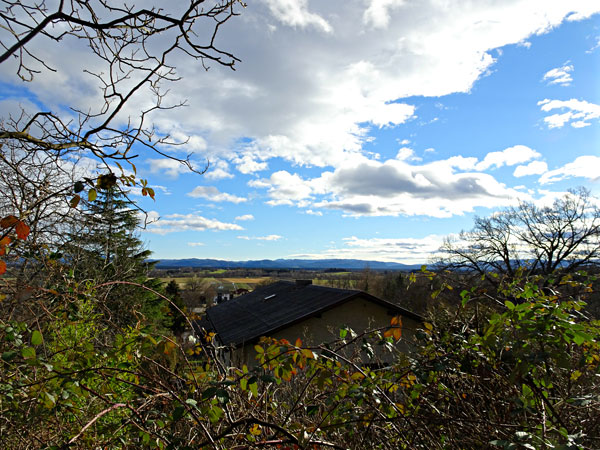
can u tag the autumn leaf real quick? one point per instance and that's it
(92, 194)
(75, 201)
(22, 230)
(2, 267)
(395, 330)
(8, 221)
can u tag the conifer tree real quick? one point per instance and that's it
(105, 248)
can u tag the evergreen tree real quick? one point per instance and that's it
(105, 248)
(178, 321)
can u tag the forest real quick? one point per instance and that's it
(91, 347)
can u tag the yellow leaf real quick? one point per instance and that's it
(298, 342)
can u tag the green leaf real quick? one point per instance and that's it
(178, 413)
(28, 352)
(222, 396)
(78, 187)
(208, 393)
(92, 194)
(579, 337)
(254, 389)
(9, 355)
(36, 338)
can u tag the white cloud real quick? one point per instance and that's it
(401, 250)
(168, 167)
(214, 195)
(392, 188)
(185, 222)
(284, 188)
(583, 167)
(271, 237)
(244, 217)
(378, 12)
(295, 14)
(560, 75)
(594, 47)
(533, 168)
(218, 170)
(195, 244)
(509, 157)
(316, 76)
(579, 112)
(407, 154)
(313, 213)
(248, 163)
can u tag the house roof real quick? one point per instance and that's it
(278, 305)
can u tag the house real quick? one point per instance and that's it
(292, 310)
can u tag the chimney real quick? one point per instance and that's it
(302, 283)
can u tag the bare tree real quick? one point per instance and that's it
(133, 47)
(563, 237)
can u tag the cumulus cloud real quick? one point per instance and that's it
(578, 113)
(185, 222)
(582, 167)
(195, 244)
(270, 237)
(218, 170)
(249, 163)
(394, 187)
(560, 75)
(295, 13)
(509, 157)
(244, 217)
(533, 168)
(214, 195)
(316, 77)
(284, 188)
(407, 154)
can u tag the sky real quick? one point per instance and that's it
(366, 129)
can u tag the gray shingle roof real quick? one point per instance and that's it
(276, 306)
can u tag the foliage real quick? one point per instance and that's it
(176, 307)
(521, 375)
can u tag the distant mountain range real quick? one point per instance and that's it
(310, 264)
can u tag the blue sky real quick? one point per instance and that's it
(369, 129)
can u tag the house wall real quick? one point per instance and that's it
(359, 314)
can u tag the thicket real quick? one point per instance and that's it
(494, 373)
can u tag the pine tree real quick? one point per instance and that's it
(176, 307)
(106, 248)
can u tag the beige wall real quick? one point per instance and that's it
(359, 314)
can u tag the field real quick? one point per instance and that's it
(227, 283)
